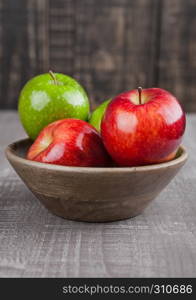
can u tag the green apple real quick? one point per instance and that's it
(97, 114)
(50, 97)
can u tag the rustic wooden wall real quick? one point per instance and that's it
(108, 45)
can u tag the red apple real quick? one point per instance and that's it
(69, 142)
(143, 127)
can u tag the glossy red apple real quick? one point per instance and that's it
(69, 142)
(143, 127)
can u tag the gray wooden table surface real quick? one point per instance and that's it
(34, 243)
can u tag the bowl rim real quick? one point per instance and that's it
(12, 156)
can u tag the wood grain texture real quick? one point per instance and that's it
(34, 243)
(177, 61)
(108, 45)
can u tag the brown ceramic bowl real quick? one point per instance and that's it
(93, 194)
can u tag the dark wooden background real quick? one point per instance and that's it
(108, 45)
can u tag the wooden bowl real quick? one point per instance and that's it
(93, 194)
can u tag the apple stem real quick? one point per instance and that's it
(53, 77)
(140, 94)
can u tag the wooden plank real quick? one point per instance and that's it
(115, 45)
(1, 46)
(159, 243)
(61, 32)
(177, 63)
(24, 50)
(15, 55)
(109, 46)
(141, 40)
(40, 12)
(91, 41)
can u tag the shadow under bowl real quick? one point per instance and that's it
(93, 194)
